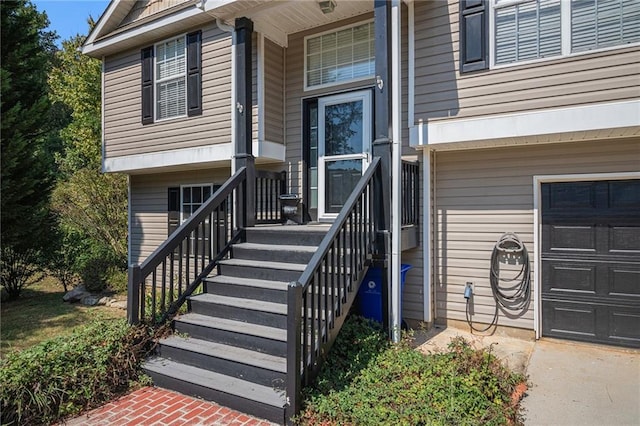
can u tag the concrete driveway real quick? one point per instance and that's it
(582, 384)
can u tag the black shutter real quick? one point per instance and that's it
(474, 35)
(194, 74)
(173, 210)
(146, 58)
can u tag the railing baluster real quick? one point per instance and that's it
(153, 295)
(172, 259)
(164, 283)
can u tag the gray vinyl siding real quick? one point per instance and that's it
(124, 133)
(144, 8)
(481, 194)
(442, 92)
(148, 200)
(273, 92)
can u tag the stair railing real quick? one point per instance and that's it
(159, 287)
(269, 187)
(410, 192)
(319, 301)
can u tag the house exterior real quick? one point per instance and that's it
(524, 116)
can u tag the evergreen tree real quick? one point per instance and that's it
(27, 51)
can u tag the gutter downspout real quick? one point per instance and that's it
(231, 30)
(396, 169)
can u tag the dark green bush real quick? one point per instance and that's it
(68, 374)
(397, 385)
(117, 280)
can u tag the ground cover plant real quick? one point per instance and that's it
(69, 374)
(367, 381)
(40, 314)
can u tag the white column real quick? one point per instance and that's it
(396, 168)
(426, 234)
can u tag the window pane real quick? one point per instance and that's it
(602, 23)
(528, 30)
(171, 98)
(340, 56)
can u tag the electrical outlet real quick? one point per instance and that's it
(473, 287)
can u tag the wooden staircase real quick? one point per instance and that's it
(232, 345)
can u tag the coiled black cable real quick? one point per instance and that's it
(512, 294)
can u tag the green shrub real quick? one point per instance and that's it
(117, 280)
(66, 375)
(401, 386)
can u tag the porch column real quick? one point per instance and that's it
(382, 149)
(243, 120)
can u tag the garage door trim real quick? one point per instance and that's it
(538, 180)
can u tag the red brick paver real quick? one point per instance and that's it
(152, 406)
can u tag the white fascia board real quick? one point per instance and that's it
(177, 17)
(177, 157)
(542, 122)
(268, 149)
(188, 156)
(101, 22)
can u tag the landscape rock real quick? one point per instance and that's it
(76, 294)
(120, 304)
(90, 300)
(104, 301)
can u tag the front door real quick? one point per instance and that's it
(344, 148)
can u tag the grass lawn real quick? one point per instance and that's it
(40, 314)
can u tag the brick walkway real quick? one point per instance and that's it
(154, 406)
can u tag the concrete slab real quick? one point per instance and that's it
(512, 351)
(582, 384)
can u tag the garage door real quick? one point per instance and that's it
(591, 261)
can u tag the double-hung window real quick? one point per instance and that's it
(525, 30)
(532, 29)
(171, 79)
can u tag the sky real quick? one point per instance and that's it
(69, 17)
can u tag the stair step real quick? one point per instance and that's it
(275, 253)
(268, 291)
(309, 235)
(235, 308)
(261, 338)
(276, 271)
(257, 367)
(251, 398)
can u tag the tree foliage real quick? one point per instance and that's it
(76, 83)
(25, 126)
(88, 203)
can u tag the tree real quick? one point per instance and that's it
(88, 203)
(76, 83)
(25, 167)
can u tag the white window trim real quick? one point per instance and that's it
(156, 80)
(337, 83)
(191, 185)
(565, 22)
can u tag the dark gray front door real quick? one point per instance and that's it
(591, 261)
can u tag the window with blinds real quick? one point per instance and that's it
(532, 29)
(171, 81)
(527, 30)
(603, 23)
(340, 56)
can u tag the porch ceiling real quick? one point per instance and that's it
(276, 19)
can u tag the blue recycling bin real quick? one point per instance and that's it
(370, 293)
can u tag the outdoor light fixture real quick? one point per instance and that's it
(327, 6)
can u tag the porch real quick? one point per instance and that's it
(263, 304)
